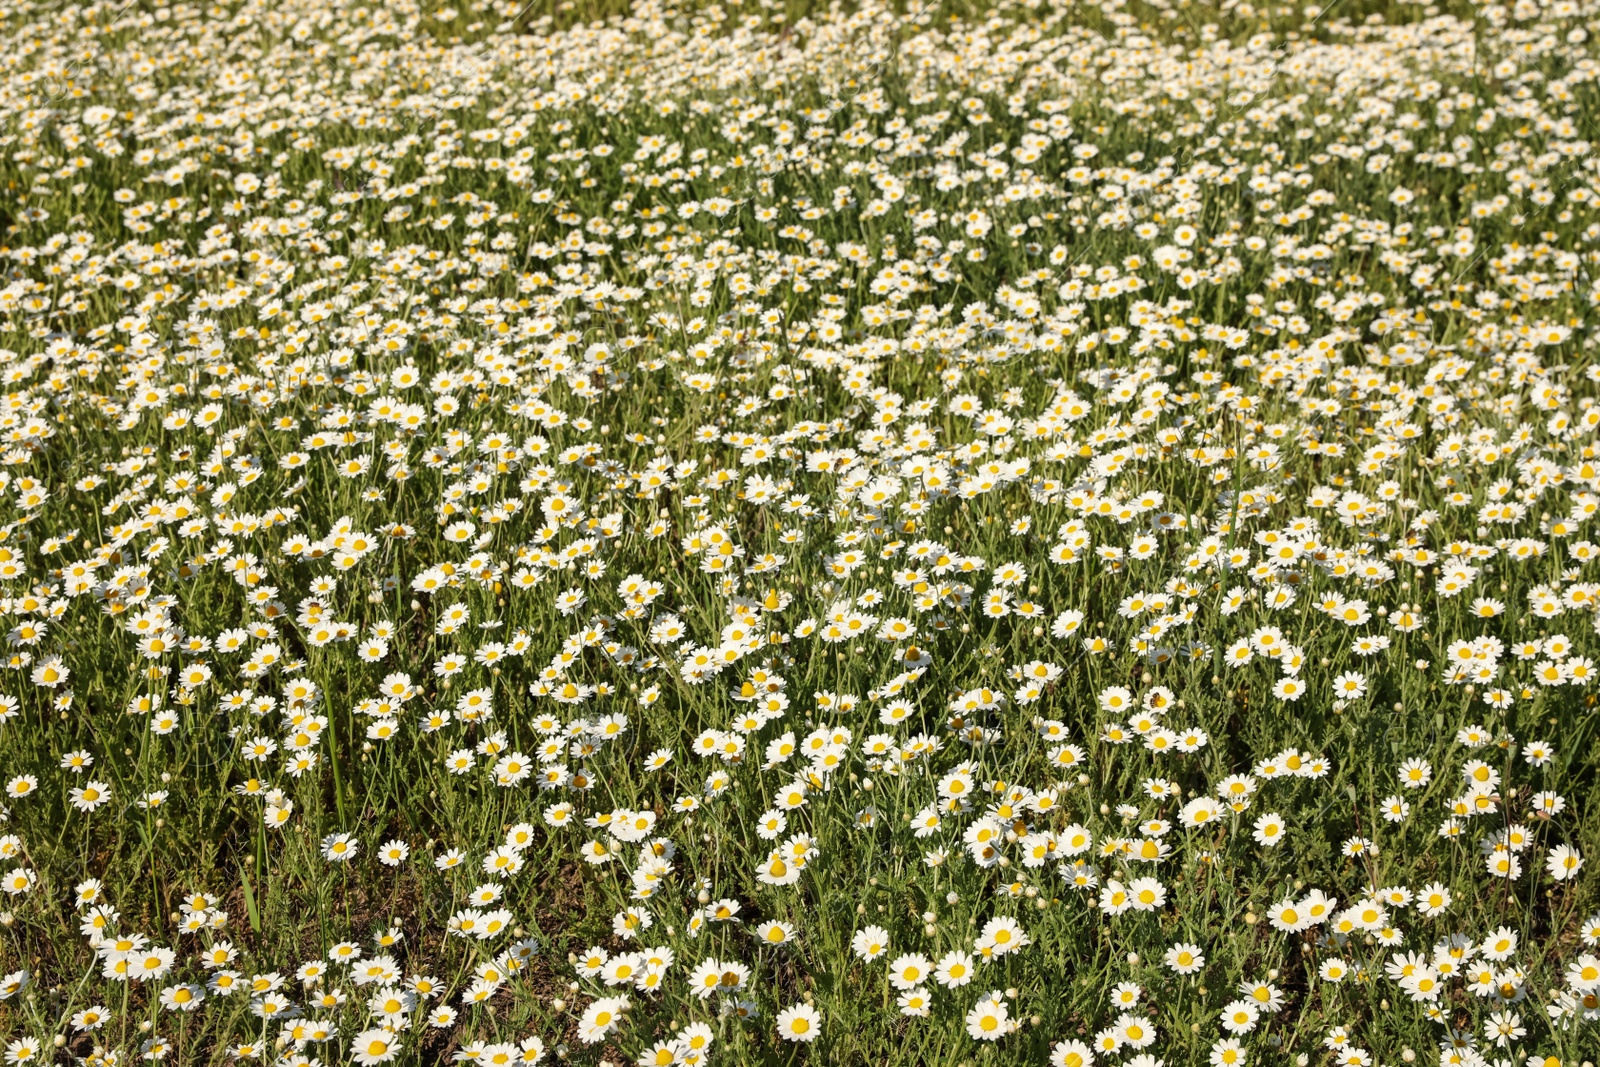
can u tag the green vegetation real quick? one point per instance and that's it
(928, 534)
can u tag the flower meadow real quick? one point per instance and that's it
(1037, 533)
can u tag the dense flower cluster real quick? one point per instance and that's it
(681, 537)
